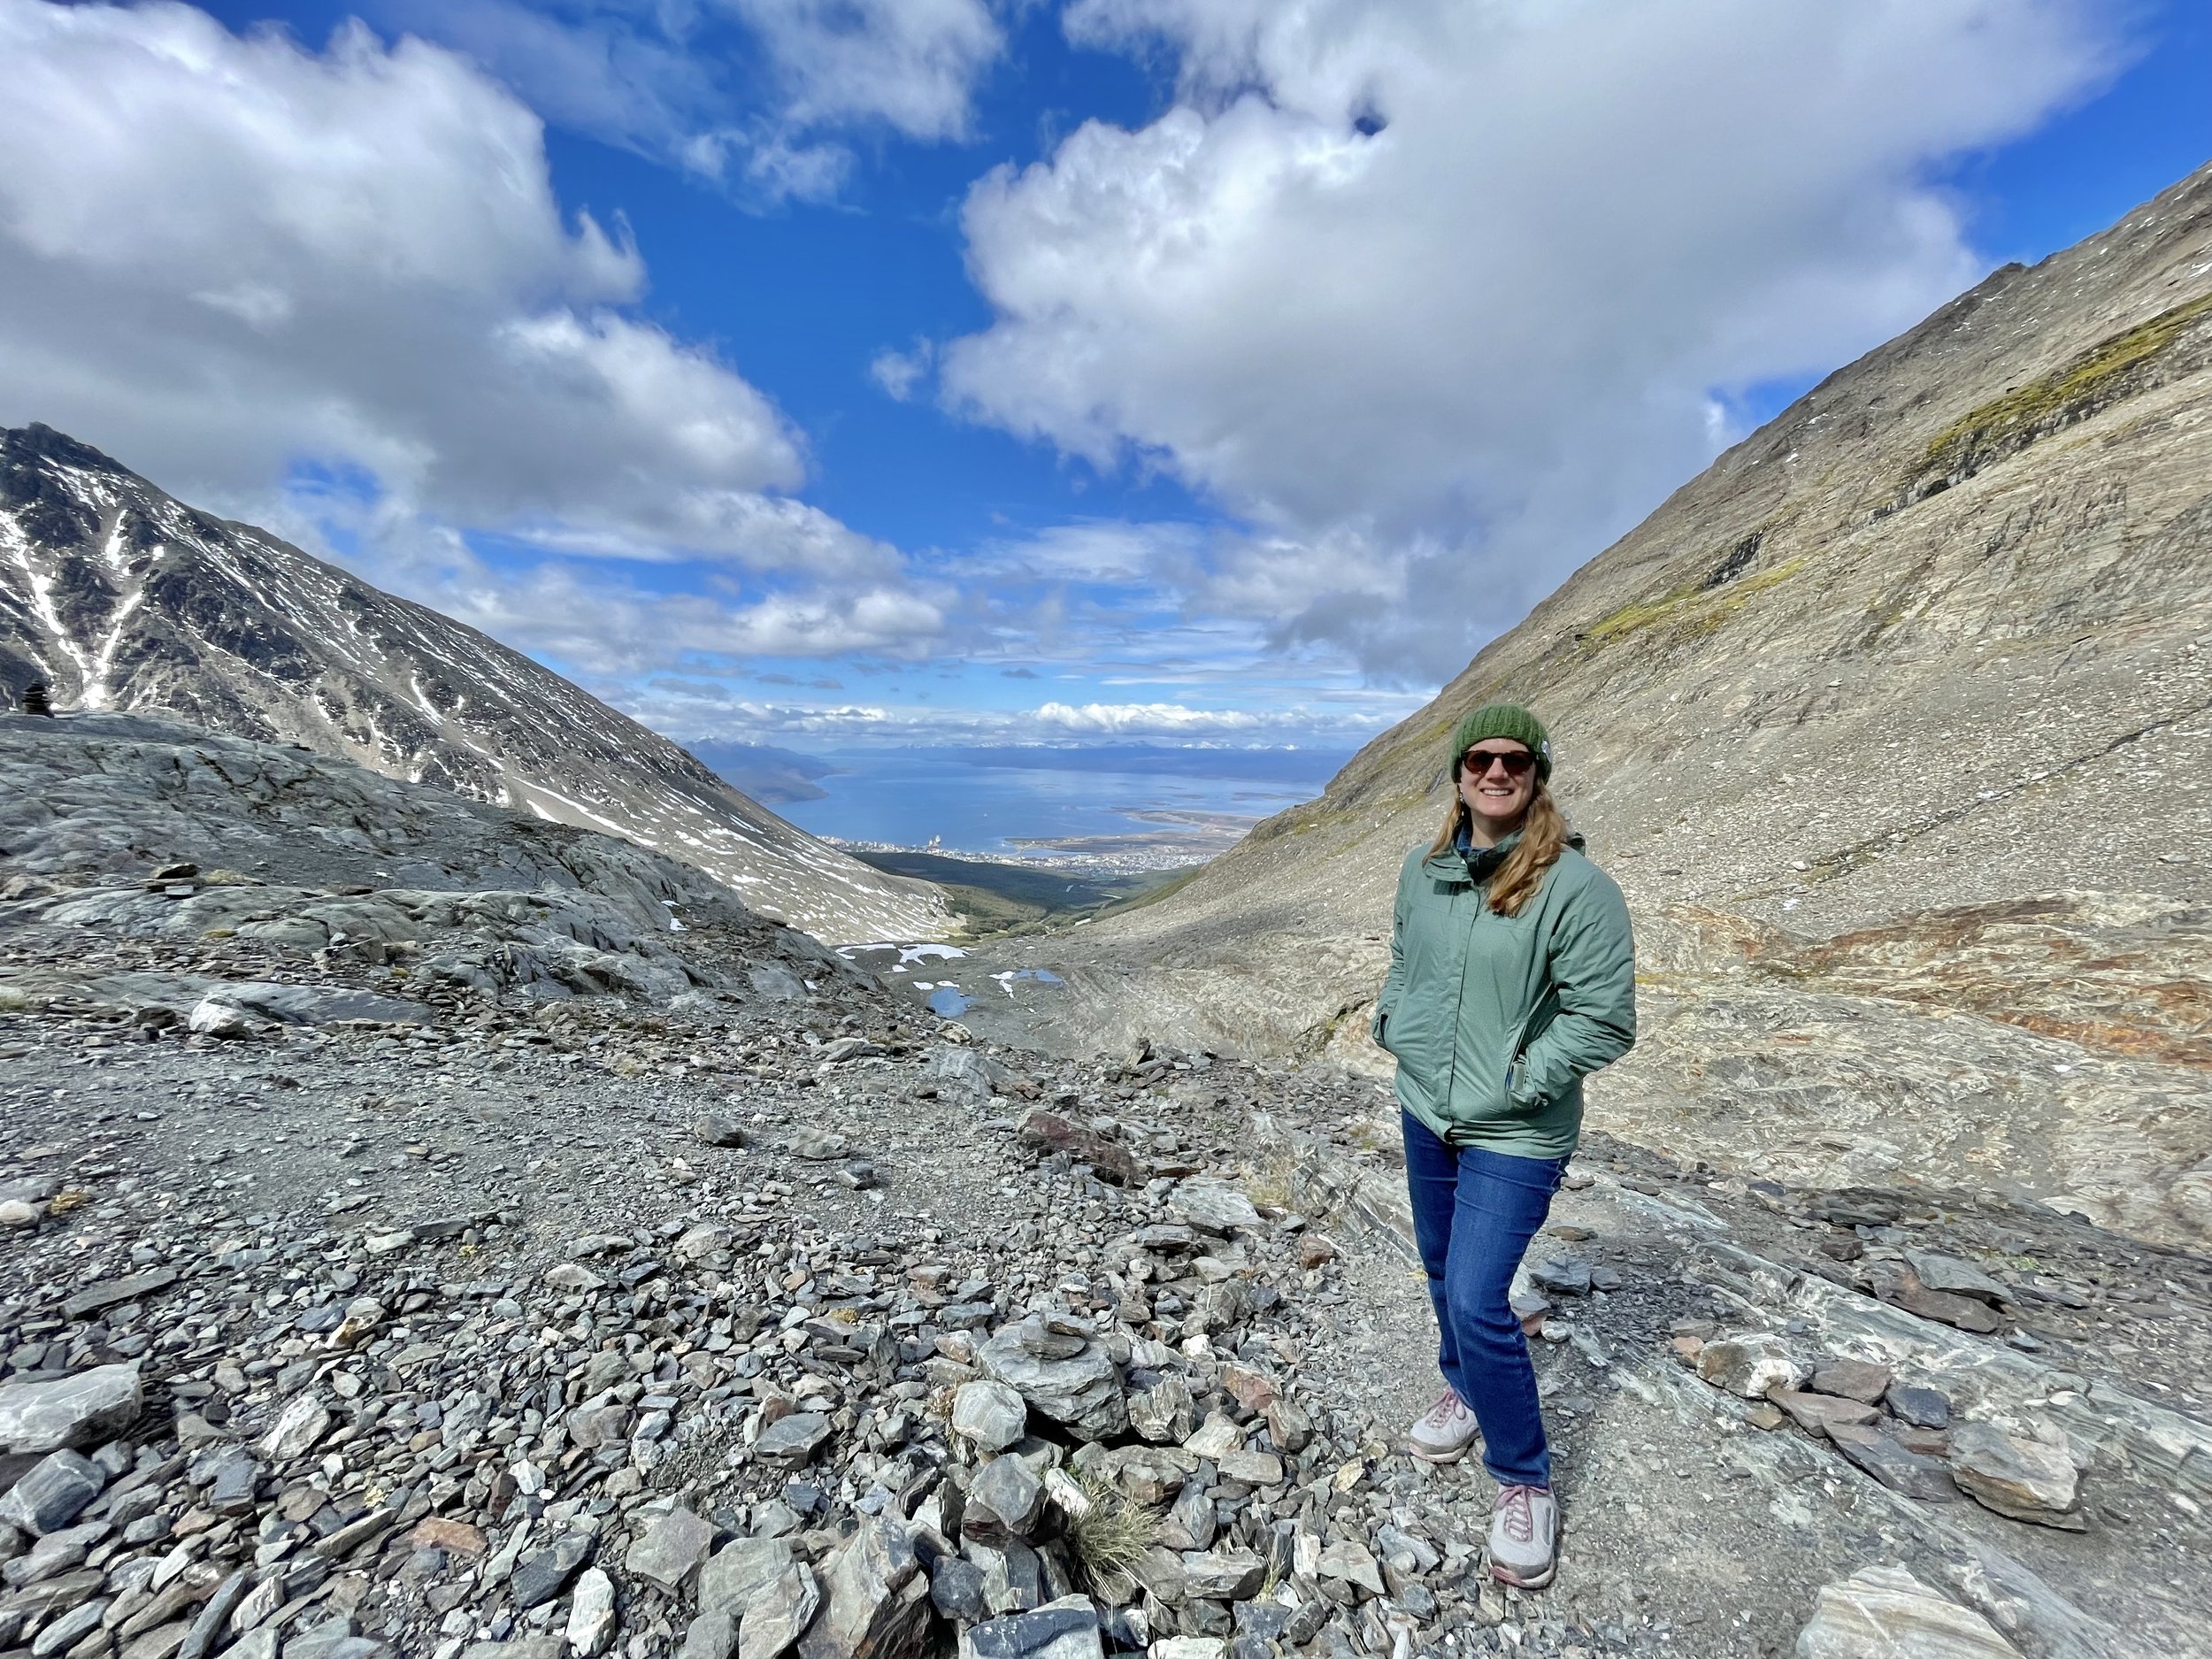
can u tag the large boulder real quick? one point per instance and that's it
(1081, 1391)
(84, 1409)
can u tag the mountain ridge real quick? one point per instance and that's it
(1928, 653)
(122, 598)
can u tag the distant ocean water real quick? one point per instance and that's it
(978, 800)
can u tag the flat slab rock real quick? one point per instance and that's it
(1885, 1613)
(2024, 1479)
(84, 1409)
(1065, 1629)
(1901, 1469)
(795, 1439)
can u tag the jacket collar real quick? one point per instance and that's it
(1466, 863)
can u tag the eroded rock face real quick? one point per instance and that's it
(1881, 1611)
(406, 885)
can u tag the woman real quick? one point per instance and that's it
(1512, 978)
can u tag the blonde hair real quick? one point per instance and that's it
(1543, 838)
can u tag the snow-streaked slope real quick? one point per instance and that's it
(122, 598)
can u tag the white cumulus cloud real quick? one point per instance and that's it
(227, 256)
(759, 94)
(1436, 297)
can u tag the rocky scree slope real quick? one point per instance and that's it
(133, 826)
(1896, 727)
(122, 598)
(511, 1329)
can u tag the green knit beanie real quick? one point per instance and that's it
(1502, 719)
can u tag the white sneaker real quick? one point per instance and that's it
(1444, 1435)
(1525, 1537)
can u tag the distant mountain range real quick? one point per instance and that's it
(121, 597)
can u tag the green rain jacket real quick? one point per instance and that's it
(1495, 1020)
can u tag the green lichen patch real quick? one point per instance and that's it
(2090, 381)
(1689, 610)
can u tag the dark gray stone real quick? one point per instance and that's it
(1065, 1629)
(1896, 1468)
(1922, 1408)
(55, 1493)
(1005, 1497)
(543, 1574)
(956, 1588)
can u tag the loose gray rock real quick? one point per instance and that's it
(1213, 1206)
(780, 1612)
(1005, 1497)
(739, 1574)
(818, 1145)
(712, 1635)
(74, 1411)
(720, 1129)
(54, 1492)
(591, 1614)
(794, 1439)
(1065, 1629)
(876, 1600)
(1892, 1464)
(543, 1574)
(1851, 1379)
(2024, 1479)
(990, 1414)
(1922, 1408)
(1954, 1277)
(1562, 1275)
(1082, 1392)
(672, 1549)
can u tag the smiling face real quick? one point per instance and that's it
(1497, 781)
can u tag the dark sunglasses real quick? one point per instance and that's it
(1518, 762)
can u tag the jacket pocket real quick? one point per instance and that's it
(1481, 1089)
(1411, 1035)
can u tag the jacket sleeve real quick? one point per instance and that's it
(1386, 999)
(1593, 964)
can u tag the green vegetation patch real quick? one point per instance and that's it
(993, 897)
(2093, 381)
(1689, 610)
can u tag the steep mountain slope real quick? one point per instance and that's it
(1896, 727)
(124, 598)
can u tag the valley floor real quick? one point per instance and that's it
(576, 1327)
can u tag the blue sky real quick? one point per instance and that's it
(936, 372)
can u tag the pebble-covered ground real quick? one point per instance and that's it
(583, 1327)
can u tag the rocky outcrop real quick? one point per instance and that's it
(120, 598)
(1894, 726)
(130, 826)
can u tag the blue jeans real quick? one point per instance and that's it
(1473, 1215)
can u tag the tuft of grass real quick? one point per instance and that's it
(1112, 1538)
(1268, 1185)
(2078, 388)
